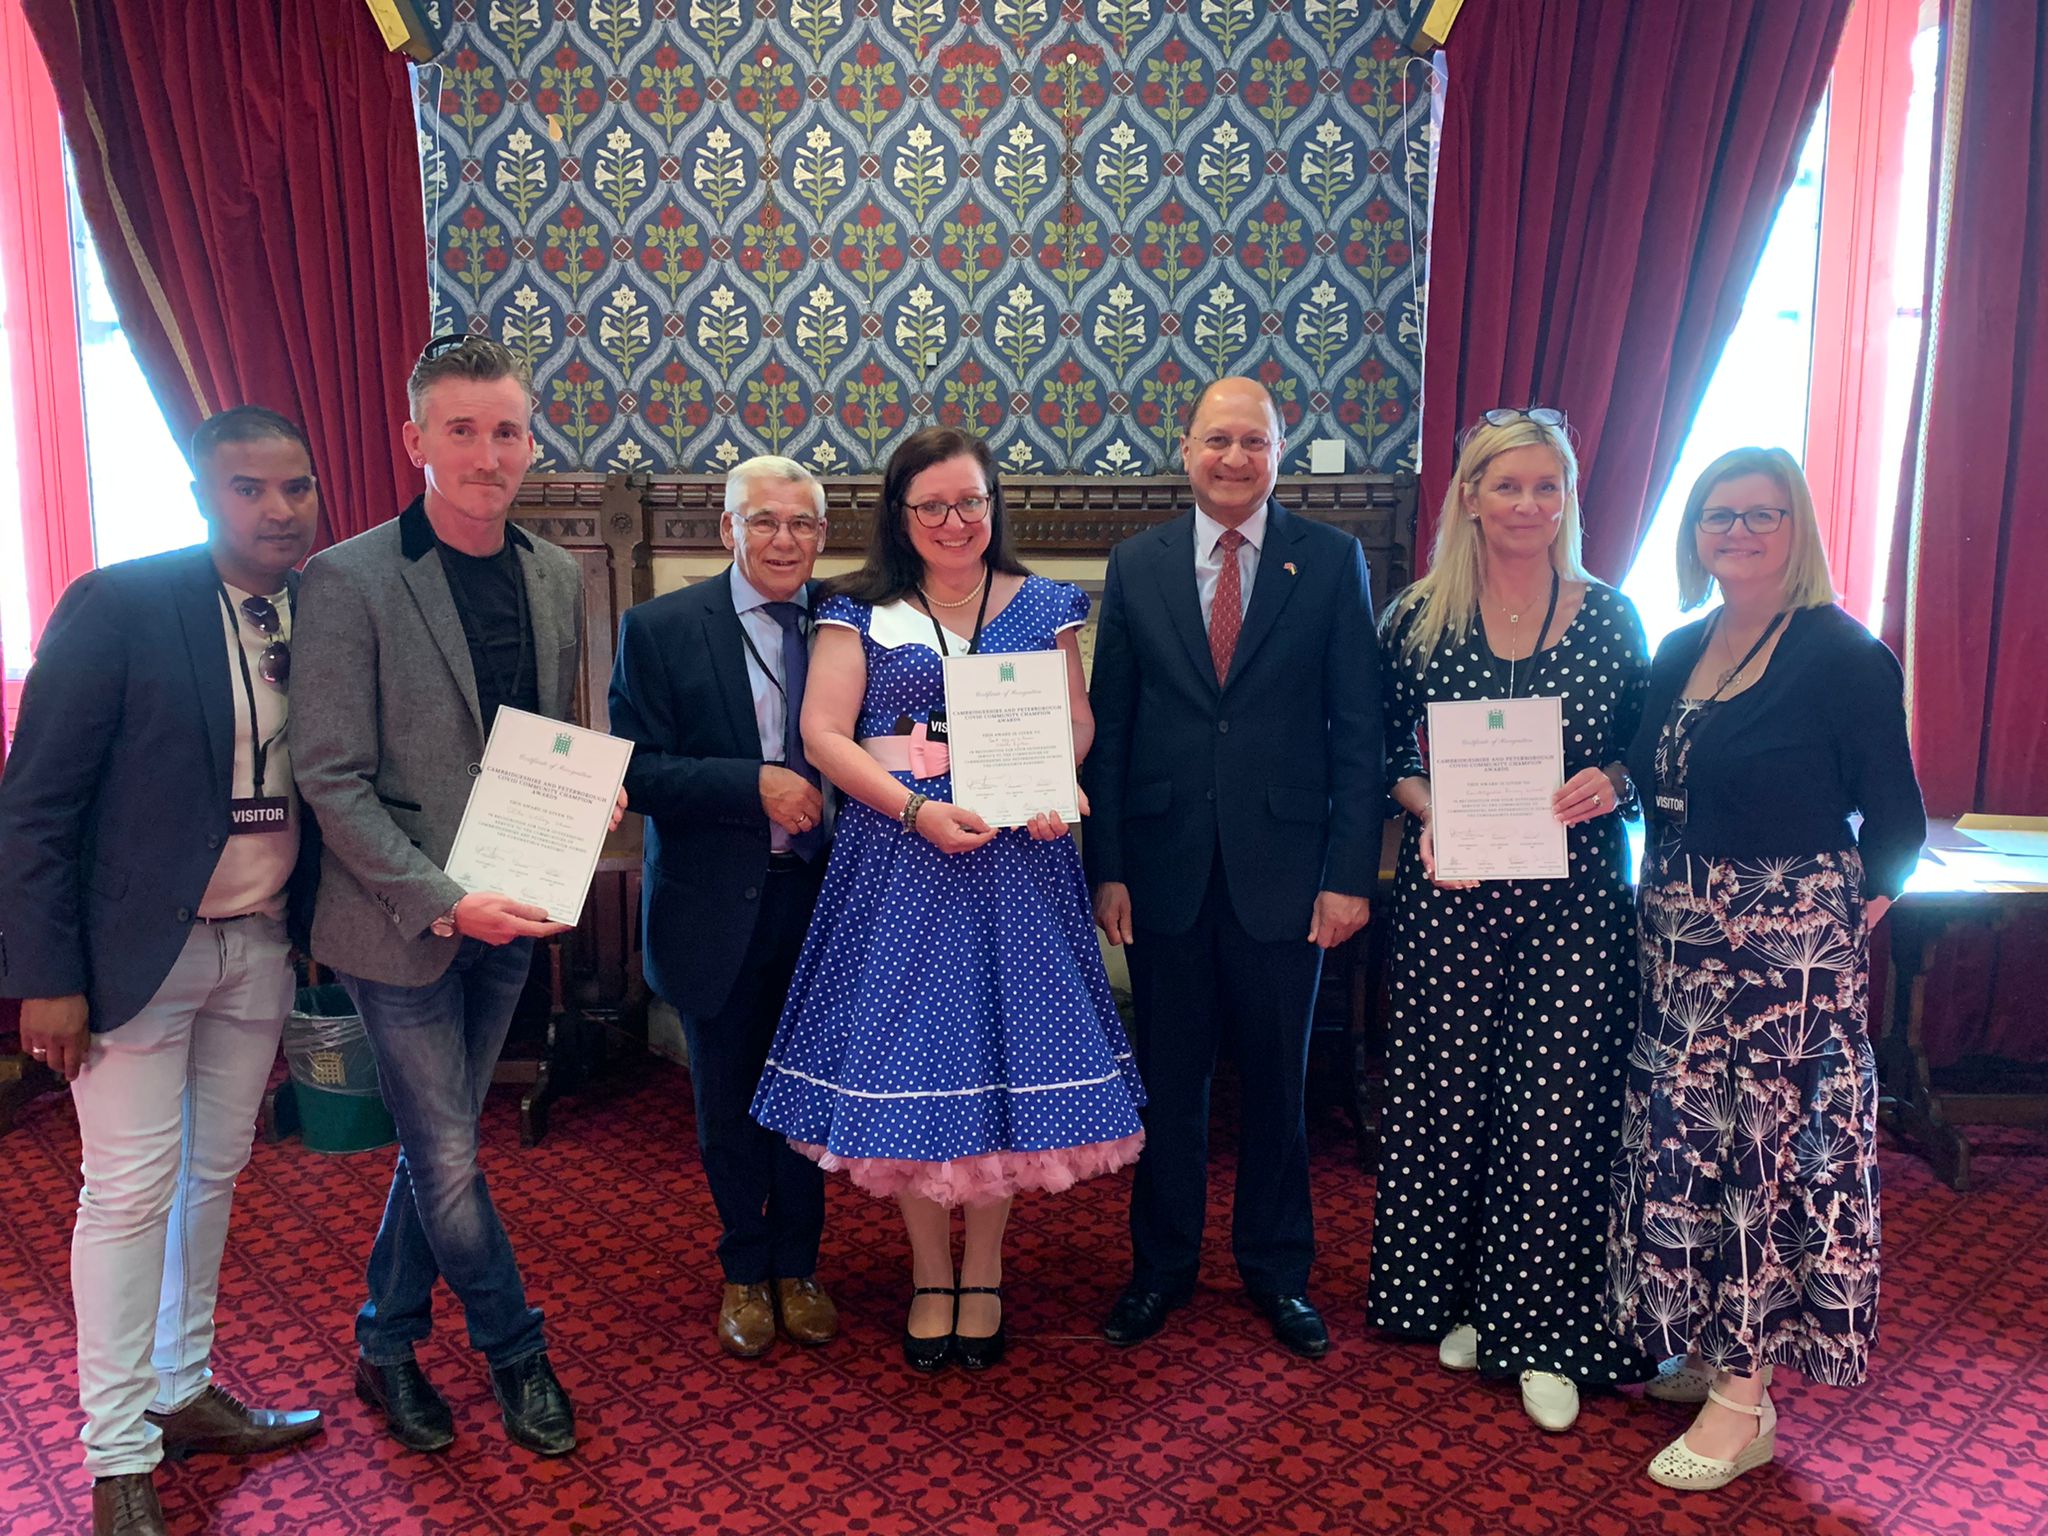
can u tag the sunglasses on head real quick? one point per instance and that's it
(447, 341)
(274, 666)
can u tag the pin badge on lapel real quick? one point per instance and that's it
(1289, 569)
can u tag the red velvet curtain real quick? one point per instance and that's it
(1970, 552)
(1608, 175)
(250, 171)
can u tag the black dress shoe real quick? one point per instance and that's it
(417, 1416)
(930, 1354)
(1296, 1323)
(1138, 1314)
(536, 1409)
(978, 1354)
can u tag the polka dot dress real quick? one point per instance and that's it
(949, 1028)
(1513, 1011)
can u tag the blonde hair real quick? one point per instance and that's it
(1808, 583)
(1446, 601)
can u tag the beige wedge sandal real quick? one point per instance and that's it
(1678, 1466)
(1687, 1383)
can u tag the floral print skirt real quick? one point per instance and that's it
(1744, 1221)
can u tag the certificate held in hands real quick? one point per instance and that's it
(1493, 766)
(1010, 729)
(538, 812)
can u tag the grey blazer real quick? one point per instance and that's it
(386, 733)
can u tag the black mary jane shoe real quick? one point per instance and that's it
(930, 1354)
(978, 1354)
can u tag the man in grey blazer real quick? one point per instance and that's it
(414, 634)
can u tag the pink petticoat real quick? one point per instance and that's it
(979, 1180)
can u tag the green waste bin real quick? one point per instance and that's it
(334, 1074)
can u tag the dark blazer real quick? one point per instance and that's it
(114, 806)
(680, 694)
(1777, 770)
(1281, 768)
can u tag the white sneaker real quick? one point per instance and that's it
(1460, 1349)
(1550, 1400)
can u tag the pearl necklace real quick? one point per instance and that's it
(934, 602)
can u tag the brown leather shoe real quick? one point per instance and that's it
(808, 1316)
(219, 1422)
(746, 1320)
(127, 1506)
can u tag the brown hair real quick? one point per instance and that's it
(893, 567)
(461, 356)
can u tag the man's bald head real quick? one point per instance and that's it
(1230, 386)
(1232, 449)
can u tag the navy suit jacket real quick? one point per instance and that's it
(1280, 767)
(680, 694)
(114, 806)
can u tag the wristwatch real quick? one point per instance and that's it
(443, 927)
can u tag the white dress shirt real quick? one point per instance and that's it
(1209, 557)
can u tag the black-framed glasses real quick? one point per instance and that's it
(274, 666)
(933, 514)
(1755, 519)
(1508, 415)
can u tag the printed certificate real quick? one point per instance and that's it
(538, 812)
(1493, 766)
(1010, 730)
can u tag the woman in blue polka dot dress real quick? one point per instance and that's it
(950, 1038)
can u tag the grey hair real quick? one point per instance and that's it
(768, 466)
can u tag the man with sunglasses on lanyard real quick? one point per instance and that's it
(416, 633)
(153, 856)
(709, 686)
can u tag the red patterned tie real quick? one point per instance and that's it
(1226, 613)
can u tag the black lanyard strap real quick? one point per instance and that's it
(762, 662)
(1748, 656)
(259, 749)
(988, 581)
(1549, 613)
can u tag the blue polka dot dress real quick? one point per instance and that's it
(949, 1030)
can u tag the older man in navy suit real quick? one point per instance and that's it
(152, 849)
(709, 686)
(1237, 791)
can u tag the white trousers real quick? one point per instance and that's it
(167, 1109)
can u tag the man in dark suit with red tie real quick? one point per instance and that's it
(1237, 791)
(708, 686)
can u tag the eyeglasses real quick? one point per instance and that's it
(1508, 415)
(765, 525)
(1256, 446)
(274, 666)
(933, 514)
(1755, 519)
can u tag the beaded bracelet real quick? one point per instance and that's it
(910, 809)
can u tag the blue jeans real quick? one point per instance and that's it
(436, 1047)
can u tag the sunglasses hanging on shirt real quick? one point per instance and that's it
(259, 812)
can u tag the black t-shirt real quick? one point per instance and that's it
(491, 598)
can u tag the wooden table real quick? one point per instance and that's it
(1979, 889)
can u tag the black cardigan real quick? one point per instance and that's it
(1776, 770)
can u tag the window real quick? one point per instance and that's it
(1758, 394)
(1821, 361)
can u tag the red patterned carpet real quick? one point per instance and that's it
(1207, 1429)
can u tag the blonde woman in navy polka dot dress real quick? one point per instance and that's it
(950, 1038)
(1513, 1000)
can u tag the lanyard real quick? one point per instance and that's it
(1734, 672)
(259, 749)
(980, 616)
(762, 662)
(1549, 613)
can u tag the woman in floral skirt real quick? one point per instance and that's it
(1745, 1215)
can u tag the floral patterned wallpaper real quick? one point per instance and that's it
(723, 227)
